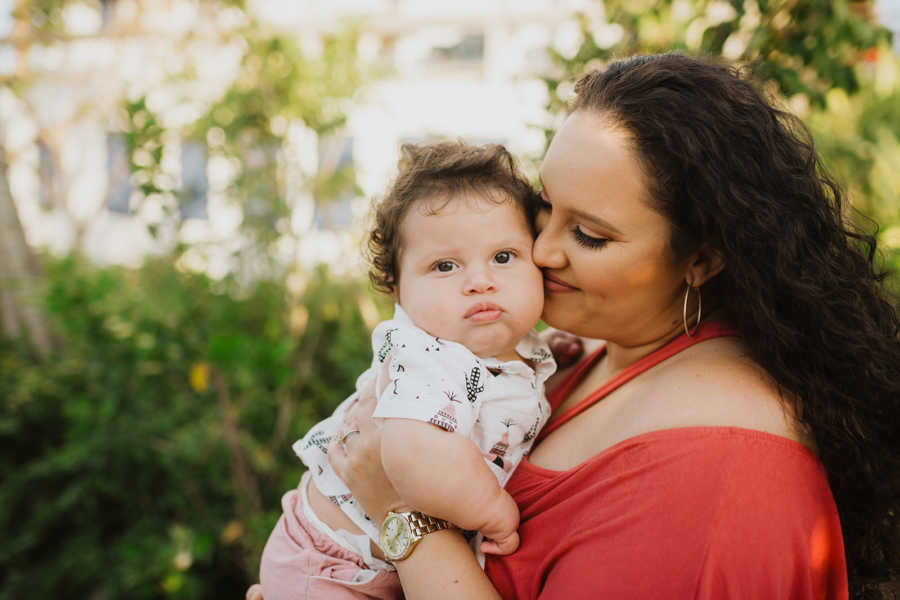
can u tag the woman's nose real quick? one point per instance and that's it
(547, 251)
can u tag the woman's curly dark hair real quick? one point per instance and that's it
(800, 283)
(440, 171)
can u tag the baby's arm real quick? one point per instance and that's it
(443, 474)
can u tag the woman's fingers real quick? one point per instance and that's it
(357, 450)
(357, 461)
(254, 592)
(361, 410)
(362, 436)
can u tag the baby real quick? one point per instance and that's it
(459, 374)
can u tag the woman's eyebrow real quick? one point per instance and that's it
(602, 223)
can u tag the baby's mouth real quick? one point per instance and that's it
(483, 312)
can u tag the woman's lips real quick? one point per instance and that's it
(552, 284)
(484, 312)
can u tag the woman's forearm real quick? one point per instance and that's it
(442, 566)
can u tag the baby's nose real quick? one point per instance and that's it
(480, 282)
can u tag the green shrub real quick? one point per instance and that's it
(147, 459)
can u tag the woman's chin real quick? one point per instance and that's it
(560, 316)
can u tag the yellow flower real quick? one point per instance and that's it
(232, 532)
(199, 377)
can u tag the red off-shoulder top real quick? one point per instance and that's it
(697, 512)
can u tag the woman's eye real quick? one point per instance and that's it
(544, 205)
(587, 241)
(503, 257)
(445, 266)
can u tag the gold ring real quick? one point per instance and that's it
(347, 435)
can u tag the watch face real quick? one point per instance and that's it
(395, 537)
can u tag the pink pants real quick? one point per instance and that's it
(300, 562)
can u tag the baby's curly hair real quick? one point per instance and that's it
(441, 171)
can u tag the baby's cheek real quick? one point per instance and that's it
(537, 285)
(433, 317)
(531, 296)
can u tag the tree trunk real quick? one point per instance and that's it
(21, 310)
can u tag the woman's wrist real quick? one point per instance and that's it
(396, 507)
(443, 566)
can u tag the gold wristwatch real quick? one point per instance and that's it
(400, 532)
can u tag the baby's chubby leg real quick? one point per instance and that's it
(301, 560)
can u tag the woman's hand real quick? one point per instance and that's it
(357, 460)
(566, 347)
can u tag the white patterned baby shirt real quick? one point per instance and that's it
(499, 405)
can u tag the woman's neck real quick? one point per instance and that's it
(620, 355)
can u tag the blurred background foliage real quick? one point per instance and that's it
(146, 456)
(147, 459)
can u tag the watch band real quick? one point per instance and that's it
(398, 542)
(422, 524)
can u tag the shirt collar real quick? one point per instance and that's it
(530, 347)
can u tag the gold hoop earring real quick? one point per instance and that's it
(687, 292)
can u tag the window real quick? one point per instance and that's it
(118, 175)
(336, 183)
(49, 183)
(469, 48)
(194, 181)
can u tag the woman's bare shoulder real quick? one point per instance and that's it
(712, 384)
(716, 383)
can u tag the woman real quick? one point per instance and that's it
(689, 225)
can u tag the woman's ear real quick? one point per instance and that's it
(705, 263)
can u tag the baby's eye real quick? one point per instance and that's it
(445, 266)
(504, 256)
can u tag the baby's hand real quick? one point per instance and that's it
(501, 530)
(566, 348)
(506, 545)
